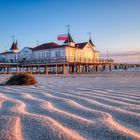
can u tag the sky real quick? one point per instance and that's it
(115, 24)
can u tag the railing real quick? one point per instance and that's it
(88, 60)
(67, 59)
(47, 60)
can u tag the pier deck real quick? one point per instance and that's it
(64, 67)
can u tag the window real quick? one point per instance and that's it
(48, 54)
(72, 53)
(57, 53)
(43, 55)
(30, 56)
(39, 55)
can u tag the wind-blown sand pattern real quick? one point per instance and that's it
(94, 107)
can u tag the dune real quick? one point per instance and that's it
(81, 107)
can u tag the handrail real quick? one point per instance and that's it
(64, 59)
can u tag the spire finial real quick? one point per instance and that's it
(6, 48)
(13, 37)
(68, 27)
(37, 42)
(89, 33)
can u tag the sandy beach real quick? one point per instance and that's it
(74, 107)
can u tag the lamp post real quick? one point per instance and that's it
(107, 54)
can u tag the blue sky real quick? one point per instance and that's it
(115, 24)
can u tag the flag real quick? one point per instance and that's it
(62, 37)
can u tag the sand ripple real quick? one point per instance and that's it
(71, 108)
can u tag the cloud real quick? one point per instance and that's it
(124, 57)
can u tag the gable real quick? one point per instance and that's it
(89, 47)
(25, 50)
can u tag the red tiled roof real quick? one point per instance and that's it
(30, 48)
(51, 45)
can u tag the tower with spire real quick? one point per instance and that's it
(90, 40)
(11, 56)
(14, 48)
(69, 41)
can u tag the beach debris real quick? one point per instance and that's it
(22, 78)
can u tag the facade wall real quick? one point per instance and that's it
(28, 55)
(72, 54)
(25, 54)
(88, 53)
(9, 57)
(49, 53)
(2, 57)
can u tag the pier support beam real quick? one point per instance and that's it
(8, 70)
(93, 68)
(85, 68)
(27, 69)
(38, 70)
(78, 68)
(31, 69)
(46, 69)
(70, 69)
(110, 68)
(96, 68)
(104, 68)
(4, 70)
(75, 68)
(64, 69)
(17, 70)
(20, 69)
(56, 68)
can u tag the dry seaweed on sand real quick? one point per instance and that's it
(21, 79)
